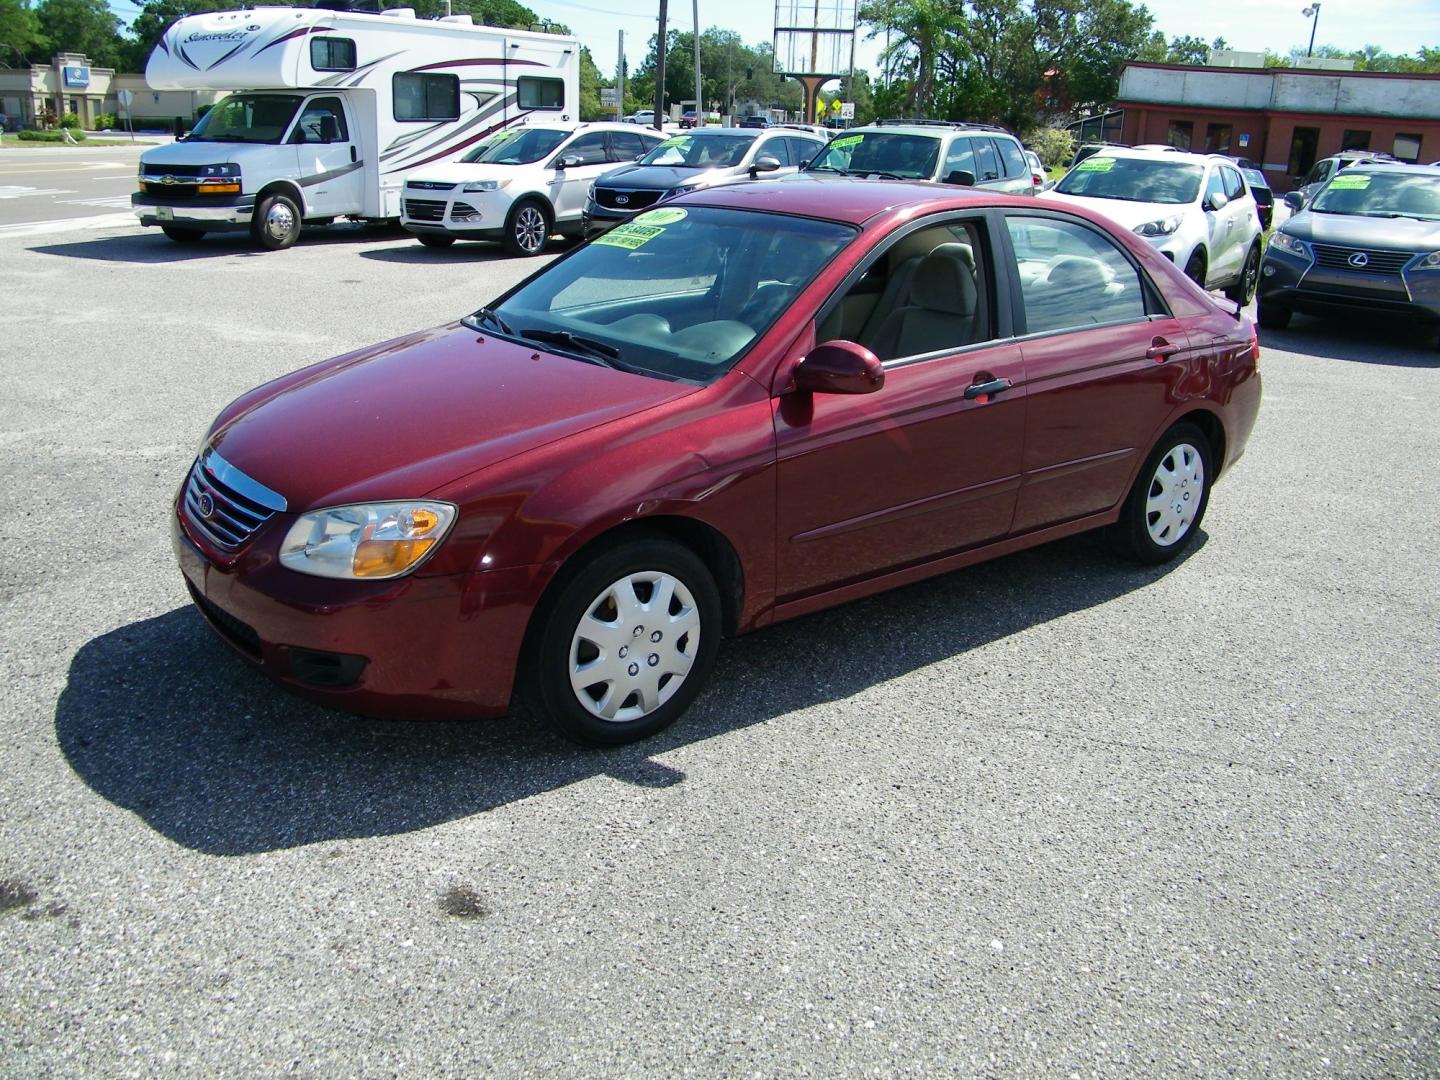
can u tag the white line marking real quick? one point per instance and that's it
(13, 192)
(41, 228)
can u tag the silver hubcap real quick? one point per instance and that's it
(530, 228)
(279, 221)
(1175, 493)
(634, 646)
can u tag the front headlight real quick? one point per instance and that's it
(590, 192)
(367, 541)
(485, 185)
(1160, 227)
(228, 169)
(1283, 241)
(1425, 262)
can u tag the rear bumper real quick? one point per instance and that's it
(218, 213)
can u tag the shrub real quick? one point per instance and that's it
(48, 136)
(69, 120)
(1054, 145)
(106, 122)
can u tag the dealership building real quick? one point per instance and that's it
(70, 83)
(1284, 119)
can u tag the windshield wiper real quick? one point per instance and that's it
(477, 319)
(883, 175)
(587, 348)
(827, 168)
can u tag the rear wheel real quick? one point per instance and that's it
(182, 235)
(1272, 316)
(1243, 291)
(433, 240)
(276, 224)
(1163, 511)
(527, 228)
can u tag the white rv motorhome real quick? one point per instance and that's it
(331, 109)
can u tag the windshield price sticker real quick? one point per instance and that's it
(1096, 164)
(681, 141)
(629, 235)
(660, 217)
(847, 141)
(1350, 182)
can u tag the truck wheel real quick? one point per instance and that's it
(527, 228)
(181, 235)
(432, 240)
(276, 224)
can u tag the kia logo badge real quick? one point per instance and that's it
(1359, 260)
(206, 505)
(622, 200)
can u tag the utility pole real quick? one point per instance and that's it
(699, 102)
(660, 72)
(620, 78)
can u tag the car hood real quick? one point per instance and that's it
(212, 153)
(658, 177)
(457, 172)
(401, 419)
(1122, 211)
(1352, 230)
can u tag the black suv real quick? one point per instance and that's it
(948, 152)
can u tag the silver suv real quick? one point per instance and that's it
(948, 152)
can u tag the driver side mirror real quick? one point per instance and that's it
(569, 161)
(764, 163)
(961, 178)
(1218, 201)
(1294, 200)
(839, 367)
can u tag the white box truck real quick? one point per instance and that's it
(330, 109)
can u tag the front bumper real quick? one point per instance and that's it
(1291, 282)
(213, 213)
(413, 646)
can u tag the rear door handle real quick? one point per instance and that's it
(1161, 350)
(984, 390)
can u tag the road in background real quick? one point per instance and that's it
(61, 185)
(1057, 815)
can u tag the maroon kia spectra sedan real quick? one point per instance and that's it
(747, 404)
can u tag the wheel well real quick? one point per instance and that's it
(1214, 431)
(1199, 253)
(280, 187)
(537, 198)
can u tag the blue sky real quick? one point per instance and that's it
(1398, 26)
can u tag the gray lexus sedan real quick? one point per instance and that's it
(1368, 241)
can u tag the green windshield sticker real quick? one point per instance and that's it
(660, 217)
(678, 140)
(629, 236)
(847, 141)
(1096, 164)
(1350, 182)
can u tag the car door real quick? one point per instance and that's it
(927, 465)
(567, 186)
(1101, 355)
(1219, 230)
(1245, 223)
(330, 171)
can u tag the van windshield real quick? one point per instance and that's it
(257, 118)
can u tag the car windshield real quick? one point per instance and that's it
(1367, 194)
(677, 293)
(700, 151)
(256, 118)
(1255, 178)
(490, 142)
(1133, 179)
(909, 157)
(530, 145)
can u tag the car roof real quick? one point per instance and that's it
(1383, 167)
(851, 200)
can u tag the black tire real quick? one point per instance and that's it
(581, 593)
(434, 240)
(1133, 534)
(182, 235)
(1195, 268)
(1243, 291)
(1272, 316)
(527, 228)
(276, 224)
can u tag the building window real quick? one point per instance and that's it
(1218, 138)
(1302, 150)
(1407, 148)
(1355, 140)
(1181, 134)
(332, 54)
(540, 93)
(426, 97)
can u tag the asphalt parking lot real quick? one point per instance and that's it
(1052, 816)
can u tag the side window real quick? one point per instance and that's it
(1214, 185)
(625, 145)
(590, 149)
(1318, 174)
(779, 149)
(332, 54)
(1234, 185)
(423, 96)
(987, 161)
(927, 293)
(651, 140)
(1071, 276)
(959, 158)
(1013, 158)
(534, 93)
(323, 121)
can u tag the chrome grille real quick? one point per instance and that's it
(424, 210)
(428, 185)
(1376, 262)
(634, 200)
(224, 505)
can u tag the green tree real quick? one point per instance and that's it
(20, 38)
(81, 26)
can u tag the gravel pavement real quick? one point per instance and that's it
(1052, 816)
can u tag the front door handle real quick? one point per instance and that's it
(983, 391)
(1161, 350)
(353, 155)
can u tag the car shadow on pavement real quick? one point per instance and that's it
(153, 247)
(1359, 338)
(162, 719)
(417, 254)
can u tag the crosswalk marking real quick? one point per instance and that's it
(13, 192)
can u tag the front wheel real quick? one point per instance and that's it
(1162, 513)
(434, 240)
(1243, 291)
(1195, 269)
(276, 224)
(626, 643)
(527, 229)
(182, 235)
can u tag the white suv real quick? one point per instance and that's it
(1195, 208)
(520, 189)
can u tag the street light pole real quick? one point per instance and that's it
(699, 104)
(1313, 13)
(660, 71)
